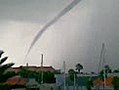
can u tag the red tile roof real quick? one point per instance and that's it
(34, 68)
(23, 81)
(16, 80)
(99, 82)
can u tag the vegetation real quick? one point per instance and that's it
(71, 74)
(48, 77)
(3, 68)
(107, 70)
(89, 84)
(4, 75)
(104, 73)
(115, 83)
(24, 72)
(116, 71)
(79, 67)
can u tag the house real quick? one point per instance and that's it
(80, 81)
(100, 82)
(108, 83)
(16, 82)
(33, 68)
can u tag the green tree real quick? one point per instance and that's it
(89, 84)
(79, 67)
(4, 75)
(48, 77)
(115, 82)
(116, 71)
(71, 74)
(107, 69)
(3, 68)
(25, 73)
(104, 73)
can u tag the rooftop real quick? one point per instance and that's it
(34, 68)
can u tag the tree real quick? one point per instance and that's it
(4, 67)
(79, 67)
(107, 69)
(89, 84)
(115, 82)
(48, 77)
(103, 74)
(4, 75)
(25, 73)
(71, 74)
(116, 71)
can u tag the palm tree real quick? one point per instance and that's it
(72, 77)
(89, 84)
(71, 74)
(4, 67)
(107, 69)
(79, 67)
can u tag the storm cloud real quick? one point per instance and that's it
(76, 37)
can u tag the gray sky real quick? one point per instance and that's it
(76, 38)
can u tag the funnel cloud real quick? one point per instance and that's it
(62, 13)
(77, 37)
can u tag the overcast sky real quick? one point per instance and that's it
(75, 38)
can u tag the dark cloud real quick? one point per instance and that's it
(76, 37)
(30, 10)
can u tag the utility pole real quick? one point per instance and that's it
(74, 81)
(64, 65)
(102, 64)
(104, 78)
(41, 68)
